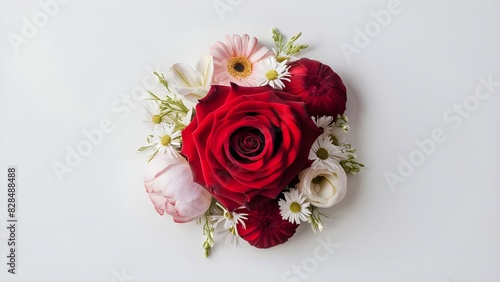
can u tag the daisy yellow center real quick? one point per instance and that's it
(272, 75)
(228, 215)
(165, 140)
(232, 230)
(322, 153)
(295, 207)
(156, 119)
(280, 59)
(239, 67)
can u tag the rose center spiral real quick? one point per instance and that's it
(246, 143)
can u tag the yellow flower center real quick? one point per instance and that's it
(280, 59)
(322, 153)
(228, 215)
(272, 75)
(165, 140)
(232, 230)
(295, 207)
(156, 119)
(239, 67)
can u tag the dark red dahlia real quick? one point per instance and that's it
(265, 228)
(319, 87)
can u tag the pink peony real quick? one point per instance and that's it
(169, 182)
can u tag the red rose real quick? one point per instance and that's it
(318, 86)
(265, 227)
(245, 144)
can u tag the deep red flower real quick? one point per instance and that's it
(264, 227)
(318, 86)
(246, 144)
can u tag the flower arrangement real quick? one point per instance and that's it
(250, 143)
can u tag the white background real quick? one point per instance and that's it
(441, 224)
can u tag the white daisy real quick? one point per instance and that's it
(324, 122)
(167, 140)
(339, 130)
(153, 116)
(324, 154)
(230, 235)
(228, 229)
(282, 56)
(273, 73)
(229, 219)
(294, 207)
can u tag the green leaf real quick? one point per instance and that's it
(144, 148)
(162, 80)
(289, 48)
(154, 96)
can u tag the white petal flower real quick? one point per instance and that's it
(294, 207)
(324, 122)
(153, 116)
(167, 140)
(324, 154)
(229, 219)
(282, 56)
(228, 229)
(323, 187)
(230, 235)
(193, 84)
(269, 71)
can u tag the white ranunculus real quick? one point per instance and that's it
(323, 188)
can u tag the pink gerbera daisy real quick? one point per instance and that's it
(234, 61)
